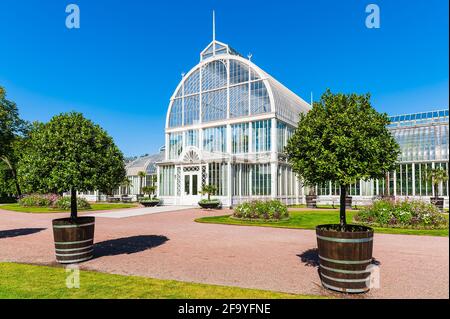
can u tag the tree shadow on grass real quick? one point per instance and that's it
(128, 245)
(19, 232)
(310, 258)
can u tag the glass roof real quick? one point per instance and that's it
(419, 118)
(216, 48)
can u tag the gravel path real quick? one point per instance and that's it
(172, 246)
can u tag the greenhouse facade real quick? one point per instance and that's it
(227, 125)
(423, 140)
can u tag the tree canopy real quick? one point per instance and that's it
(70, 152)
(12, 132)
(342, 139)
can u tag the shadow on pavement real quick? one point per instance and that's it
(128, 245)
(19, 232)
(310, 258)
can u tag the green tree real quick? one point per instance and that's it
(141, 175)
(149, 190)
(437, 176)
(70, 153)
(209, 190)
(342, 139)
(12, 131)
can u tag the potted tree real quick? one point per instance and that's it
(311, 198)
(209, 203)
(343, 139)
(151, 200)
(141, 176)
(437, 176)
(69, 154)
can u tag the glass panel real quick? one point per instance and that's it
(259, 98)
(240, 137)
(214, 106)
(261, 136)
(187, 184)
(239, 101)
(214, 139)
(214, 75)
(176, 112)
(194, 184)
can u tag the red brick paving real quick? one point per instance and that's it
(172, 246)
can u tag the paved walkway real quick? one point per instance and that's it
(173, 246)
(125, 213)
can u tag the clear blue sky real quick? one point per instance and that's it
(121, 67)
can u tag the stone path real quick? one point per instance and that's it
(173, 246)
(125, 213)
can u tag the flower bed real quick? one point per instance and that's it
(261, 210)
(404, 214)
(51, 201)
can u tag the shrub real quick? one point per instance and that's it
(64, 203)
(38, 200)
(406, 214)
(267, 210)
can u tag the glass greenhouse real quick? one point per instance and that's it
(227, 125)
(423, 140)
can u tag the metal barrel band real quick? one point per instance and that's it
(76, 254)
(343, 271)
(73, 226)
(73, 249)
(344, 280)
(73, 242)
(346, 240)
(344, 289)
(74, 261)
(346, 262)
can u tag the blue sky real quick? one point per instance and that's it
(121, 67)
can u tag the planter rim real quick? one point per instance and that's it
(69, 221)
(365, 231)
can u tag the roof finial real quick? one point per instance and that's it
(214, 25)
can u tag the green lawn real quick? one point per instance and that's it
(310, 219)
(42, 282)
(43, 210)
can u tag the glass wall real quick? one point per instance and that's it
(214, 139)
(166, 180)
(246, 92)
(191, 138)
(218, 177)
(261, 180)
(175, 145)
(240, 138)
(261, 136)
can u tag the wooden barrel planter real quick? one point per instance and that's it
(311, 201)
(344, 258)
(74, 239)
(348, 202)
(438, 202)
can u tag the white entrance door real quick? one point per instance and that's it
(192, 187)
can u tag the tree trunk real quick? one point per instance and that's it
(342, 217)
(209, 197)
(386, 186)
(436, 190)
(14, 174)
(73, 204)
